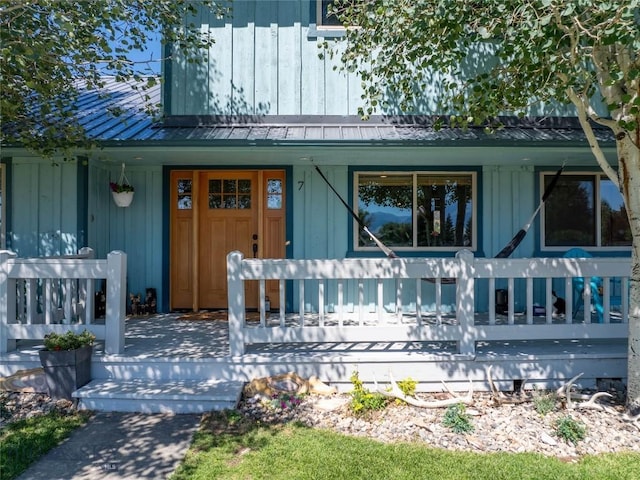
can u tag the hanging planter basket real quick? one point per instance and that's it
(122, 199)
(122, 191)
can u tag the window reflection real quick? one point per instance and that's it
(444, 210)
(615, 223)
(569, 211)
(184, 194)
(416, 210)
(572, 213)
(230, 194)
(324, 19)
(274, 194)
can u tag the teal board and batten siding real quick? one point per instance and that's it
(509, 200)
(135, 230)
(266, 60)
(263, 63)
(46, 218)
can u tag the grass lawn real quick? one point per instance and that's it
(24, 441)
(230, 447)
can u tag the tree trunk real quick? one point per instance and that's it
(628, 180)
(629, 172)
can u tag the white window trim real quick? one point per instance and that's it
(320, 17)
(415, 174)
(598, 223)
(320, 30)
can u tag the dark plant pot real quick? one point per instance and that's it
(66, 370)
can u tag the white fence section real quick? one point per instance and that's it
(56, 294)
(352, 316)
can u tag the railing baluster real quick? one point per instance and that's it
(439, 301)
(492, 301)
(419, 301)
(263, 313)
(548, 308)
(67, 297)
(47, 301)
(586, 296)
(606, 299)
(568, 309)
(530, 301)
(321, 303)
(281, 288)
(89, 301)
(380, 298)
(361, 307)
(301, 300)
(399, 300)
(21, 301)
(340, 303)
(510, 289)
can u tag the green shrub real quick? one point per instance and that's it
(68, 341)
(570, 430)
(544, 402)
(457, 419)
(408, 386)
(362, 400)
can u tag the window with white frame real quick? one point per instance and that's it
(584, 210)
(416, 210)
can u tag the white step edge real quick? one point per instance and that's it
(186, 396)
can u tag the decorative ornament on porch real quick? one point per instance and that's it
(66, 360)
(122, 191)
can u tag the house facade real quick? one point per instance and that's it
(232, 166)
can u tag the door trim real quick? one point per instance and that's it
(164, 299)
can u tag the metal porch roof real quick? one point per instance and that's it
(135, 127)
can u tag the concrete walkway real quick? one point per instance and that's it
(119, 446)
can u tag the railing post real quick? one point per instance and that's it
(465, 303)
(87, 288)
(116, 302)
(236, 303)
(7, 301)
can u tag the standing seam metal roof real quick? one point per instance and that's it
(134, 125)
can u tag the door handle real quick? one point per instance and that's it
(255, 250)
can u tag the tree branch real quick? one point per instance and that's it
(581, 107)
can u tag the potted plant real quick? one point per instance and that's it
(66, 360)
(122, 191)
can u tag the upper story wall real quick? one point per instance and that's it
(266, 61)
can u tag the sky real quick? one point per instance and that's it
(153, 51)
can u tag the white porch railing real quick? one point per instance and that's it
(56, 294)
(354, 318)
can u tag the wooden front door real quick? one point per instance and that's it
(214, 212)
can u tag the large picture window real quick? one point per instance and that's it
(584, 210)
(416, 211)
